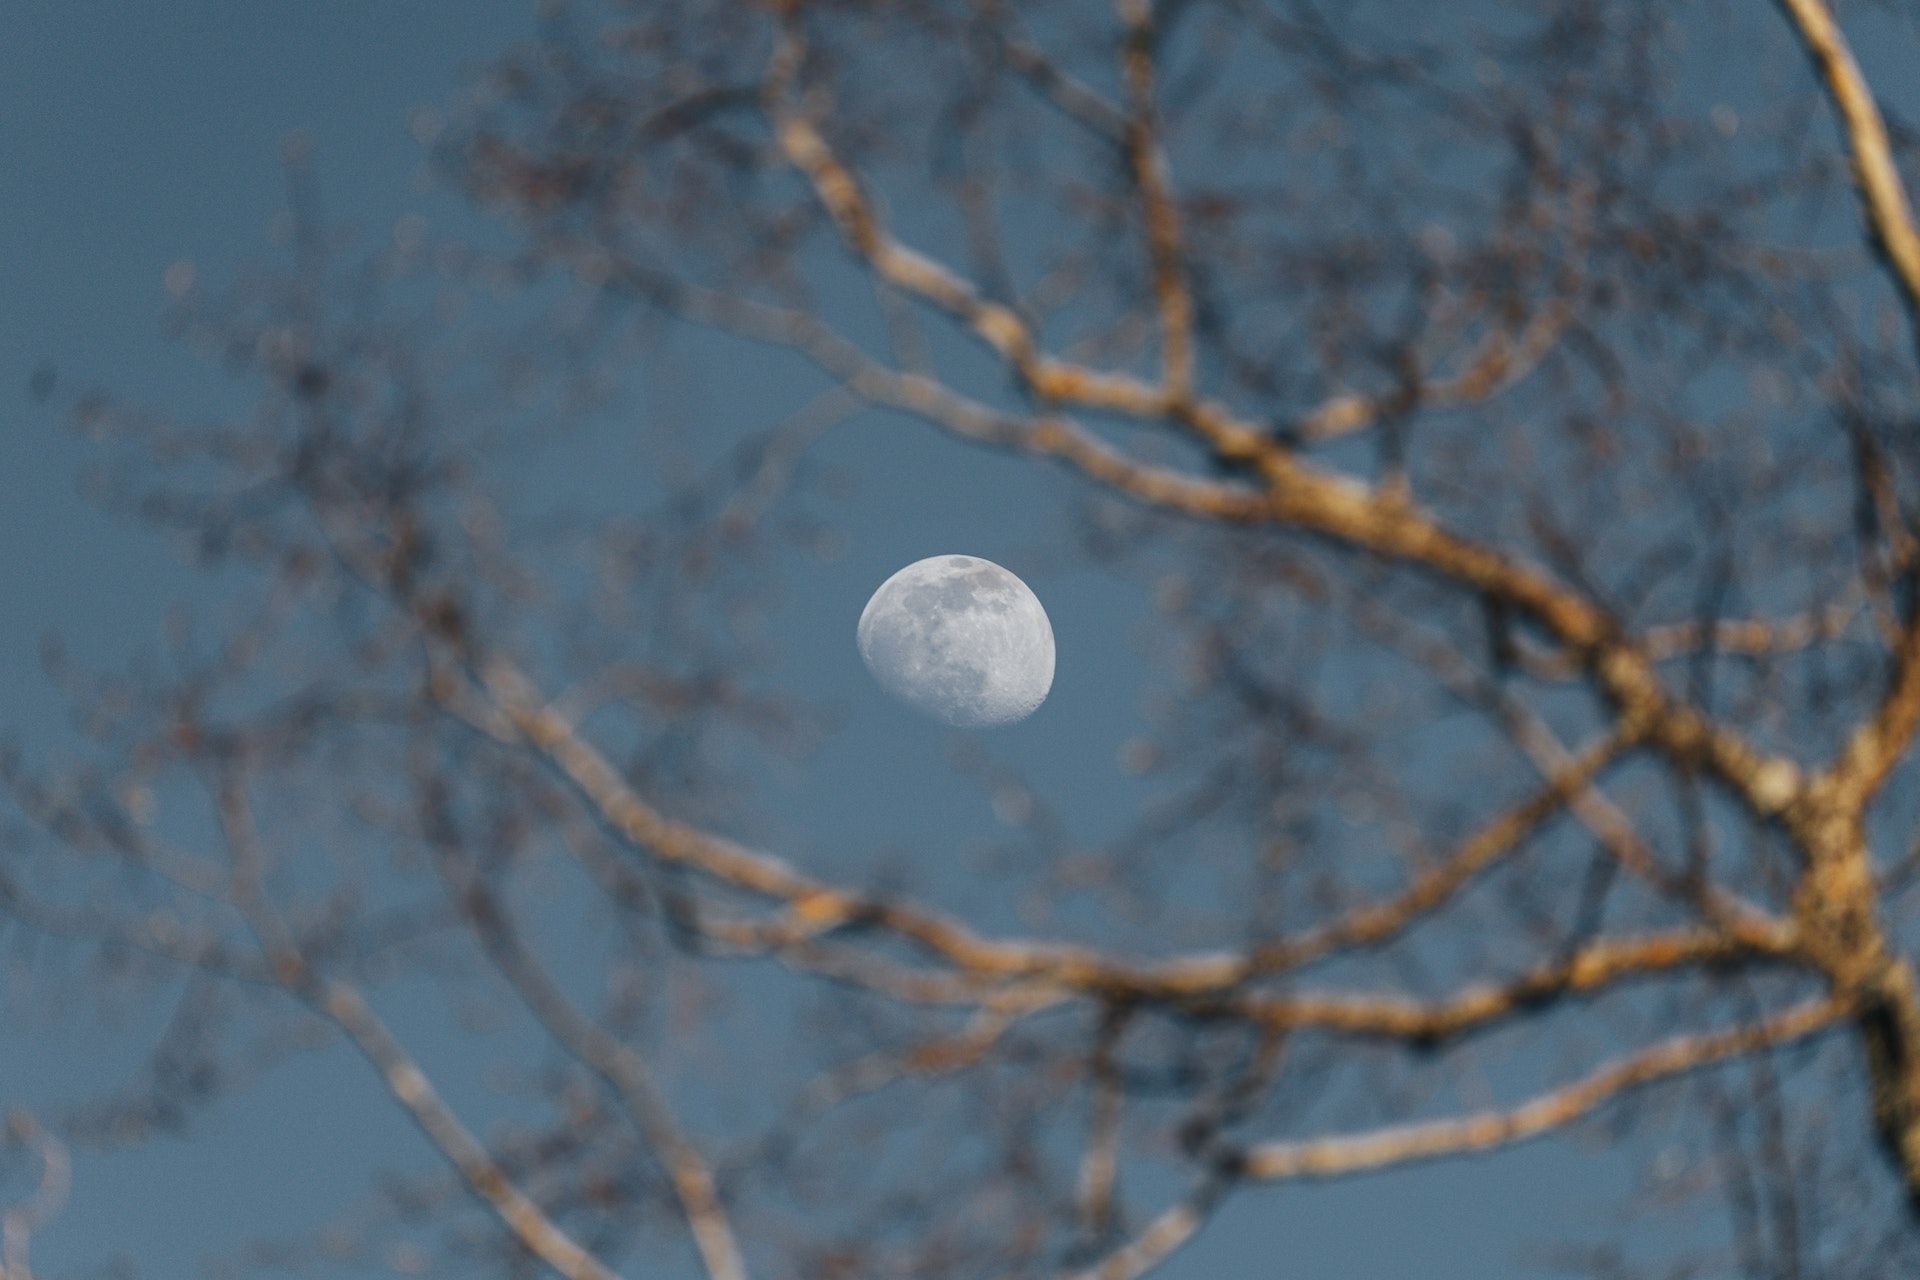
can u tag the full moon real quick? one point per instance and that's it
(960, 638)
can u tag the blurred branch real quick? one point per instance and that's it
(1883, 199)
(1147, 161)
(1205, 985)
(49, 1196)
(1354, 1153)
(1589, 968)
(1503, 358)
(344, 1006)
(1837, 900)
(1381, 521)
(620, 1066)
(1163, 1236)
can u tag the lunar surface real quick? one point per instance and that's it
(960, 638)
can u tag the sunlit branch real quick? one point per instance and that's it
(1291, 492)
(1729, 637)
(346, 1008)
(616, 1063)
(1589, 968)
(1334, 507)
(1163, 1236)
(1835, 898)
(411, 1089)
(1204, 983)
(1483, 1131)
(996, 325)
(1882, 196)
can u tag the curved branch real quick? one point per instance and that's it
(1883, 199)
(49, 1196)
(347, 1009)
(1398, 1145)
(528, 1222)
(1291, 492)
(1870, 754)
(1484, 1131)
(618, 1065)
(1589, 969)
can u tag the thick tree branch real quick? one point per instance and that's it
(1588, 969)
(1291, 492)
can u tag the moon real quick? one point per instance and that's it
(960, 638)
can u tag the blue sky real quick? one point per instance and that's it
(140, 136)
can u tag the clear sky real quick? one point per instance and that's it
(135, 136)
